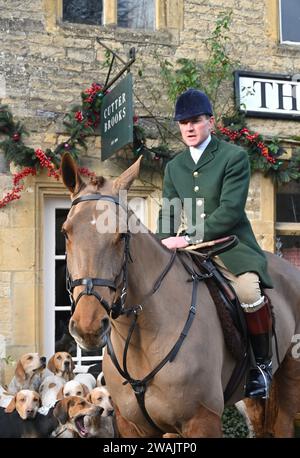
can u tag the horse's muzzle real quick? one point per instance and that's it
(90, 341)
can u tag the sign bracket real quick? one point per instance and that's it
(115, 56)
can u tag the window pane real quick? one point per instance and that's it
(60, 218)
(61, 295)
(288, 246)
(290, 20)
(83, 11)
(137, 14)
(63, 339)
(288, 203)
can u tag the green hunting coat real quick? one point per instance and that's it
(220, 182)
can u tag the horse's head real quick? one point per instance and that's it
(97, 249)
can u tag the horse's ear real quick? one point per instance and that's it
(69, 173)
(125, 180)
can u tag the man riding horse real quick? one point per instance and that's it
(218, 173)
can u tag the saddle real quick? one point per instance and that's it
(227, 303)
(228, 307)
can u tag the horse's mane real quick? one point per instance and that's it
(97, 181)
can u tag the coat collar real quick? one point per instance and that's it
(207, 156)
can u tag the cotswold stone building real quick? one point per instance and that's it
(49, 53)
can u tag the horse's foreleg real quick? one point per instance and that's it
(275, 416)
(254, 416)
(288, 396)
(125, 428)
(203, 424)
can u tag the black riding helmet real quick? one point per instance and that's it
(192, 103)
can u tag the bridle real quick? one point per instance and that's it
(117, 307)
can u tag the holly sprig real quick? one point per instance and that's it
(268, 158)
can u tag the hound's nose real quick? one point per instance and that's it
(110, 413)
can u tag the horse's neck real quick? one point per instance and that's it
(149, 260)
(164, 312)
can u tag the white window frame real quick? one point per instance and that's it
(165, 18)
(285, 42)
(50, 206)
(110, 13)
(143, 208)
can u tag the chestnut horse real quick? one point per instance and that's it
(185, 396)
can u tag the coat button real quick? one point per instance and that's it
(202, 215)
(196, 188)
(195, 174)
(199, 202)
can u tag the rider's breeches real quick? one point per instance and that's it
(246, 286)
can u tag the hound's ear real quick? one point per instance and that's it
(60, 394)
(125, 180)
(88, 398)
(85, 390)
(72, 369)
(20, 372)
(12, 405)
(61, 411)
(70, 174)
(51, 365)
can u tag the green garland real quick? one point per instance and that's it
(267, 158)
(80, 123)
(83, 120)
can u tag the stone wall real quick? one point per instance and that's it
(44, 65)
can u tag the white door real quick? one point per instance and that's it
(56, 299)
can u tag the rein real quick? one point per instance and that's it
(118, 308)
(139, 386)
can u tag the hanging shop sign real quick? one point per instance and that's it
(117, 118)
(267, 95)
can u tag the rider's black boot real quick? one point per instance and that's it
(260, 329)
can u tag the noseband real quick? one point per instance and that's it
(117, 307)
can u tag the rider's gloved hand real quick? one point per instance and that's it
(175, 242)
